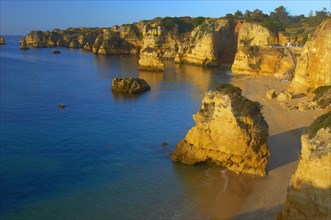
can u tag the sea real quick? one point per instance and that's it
(105, 155)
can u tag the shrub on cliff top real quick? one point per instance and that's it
(244, 106)
(323, 96)
(322, 121)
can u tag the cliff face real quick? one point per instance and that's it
(150, 54)
(206, 42)
(253, 34)
(230, 131)
(310, 187)
(313, 67)
(265, 61)
(256, 56)
(212, 43)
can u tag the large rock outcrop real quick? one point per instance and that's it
(230, 131)
(309, 192)
(257, 56)
(313, 66)
(129, 85)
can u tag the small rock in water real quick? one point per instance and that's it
(56, 52)
(61, 106)
(164, 144)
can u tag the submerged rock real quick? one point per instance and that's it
(56, 52)
(309, 191)
(230, 131)
(130, 85)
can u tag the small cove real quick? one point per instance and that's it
(102, 156)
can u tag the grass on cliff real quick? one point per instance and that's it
(322, 121)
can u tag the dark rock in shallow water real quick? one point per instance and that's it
(56, 52)
(129, 85)
(61, 105)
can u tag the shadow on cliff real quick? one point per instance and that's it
(284, 148)
(265, 214)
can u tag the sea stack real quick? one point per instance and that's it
(230, 131)
(309, 191)
(23, 44)
(129, 85)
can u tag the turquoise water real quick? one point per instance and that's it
(102, 156)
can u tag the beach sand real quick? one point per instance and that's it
(267, 195)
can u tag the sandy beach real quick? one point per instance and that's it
(285, 128)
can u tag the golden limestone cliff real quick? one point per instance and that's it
(150, 56)
(313, 66)
(256, 54)
(309, 192)
(230, 131)
(211, 44)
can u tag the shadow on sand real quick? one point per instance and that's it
(284, 148)
(265, 214)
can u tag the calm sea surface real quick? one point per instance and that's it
(102, 156)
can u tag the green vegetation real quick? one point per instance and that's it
(228, 89)
(323, 96)
(244, 106)
(280, 19)
(321, 122)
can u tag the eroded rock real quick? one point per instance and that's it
(309, 191)
(284, 96)
(230, 131)
(270, 94)
(129, 85)
(313, 66)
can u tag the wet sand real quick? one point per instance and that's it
(267, 195)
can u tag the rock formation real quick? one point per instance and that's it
(257, 56)
(284, 96)
(230, 131)
(212, 43)
(129, 85)
(270, 94)
(2, 40)
(23, 44)
(150, 56)
(313, 66)
(309, 192)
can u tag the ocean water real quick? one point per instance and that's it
(101, 157)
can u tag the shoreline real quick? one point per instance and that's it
(285, 129)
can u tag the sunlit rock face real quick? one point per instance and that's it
(150, 54)
(256, 56)
(313, 67)
(212, 43)
(129, 85)
(230, 131)
(309, 192)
